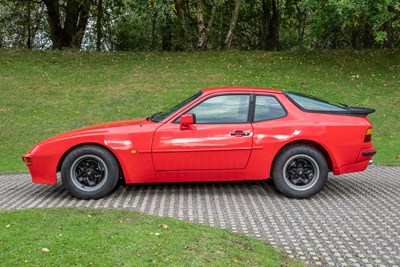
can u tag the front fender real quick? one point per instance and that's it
(46, 158)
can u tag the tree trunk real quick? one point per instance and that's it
(167, 34)
(76, 19)
(153, 31)
(300, 36)
(368, 36)
(211, 19)
(53, 17)
(81, 26)
(183, 31)
(232, 25)
(204, 30)
(301, 25)
(221, 17)
(29, 25)
(356, 37)
(388, 27)
(270, 24)
(201, 27)
(99, 30)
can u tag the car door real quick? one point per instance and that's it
(220, 138)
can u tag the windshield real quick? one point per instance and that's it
(163, 115)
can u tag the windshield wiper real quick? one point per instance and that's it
(153, 116)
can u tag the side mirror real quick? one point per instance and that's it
(186, 121)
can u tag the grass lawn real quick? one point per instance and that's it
(84, 237)
(43, 93)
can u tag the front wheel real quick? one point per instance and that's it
(89, 172)
(300, 171)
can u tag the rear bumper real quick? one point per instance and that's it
(363, 160)
(356, 167)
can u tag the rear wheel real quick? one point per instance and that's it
(89, 172)
(300, 171)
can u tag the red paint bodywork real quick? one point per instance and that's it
(163, 152)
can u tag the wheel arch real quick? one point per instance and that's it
(60, 162)
(329, 160)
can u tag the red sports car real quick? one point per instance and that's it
(219, 134)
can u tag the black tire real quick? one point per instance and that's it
(89, 172)
(300, 171)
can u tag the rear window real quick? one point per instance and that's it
(310, 103)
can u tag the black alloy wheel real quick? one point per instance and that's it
(89, 172)
(300, 171)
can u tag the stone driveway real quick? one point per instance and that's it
(354, 221)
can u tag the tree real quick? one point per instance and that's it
(183, 30)
(203, 30)
(270, 24)
(232, 25)
(99, 30)
(22, 22)
(360, 24)
(67, 33)
(394, 15)
(178, 25)
(299, 11)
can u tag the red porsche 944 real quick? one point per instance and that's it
(219, 134)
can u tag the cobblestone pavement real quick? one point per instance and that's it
(354, 221)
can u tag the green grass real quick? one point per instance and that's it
(84, 237)
(43, 93)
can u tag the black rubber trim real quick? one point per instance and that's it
(369, 153)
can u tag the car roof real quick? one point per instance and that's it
(250, 89)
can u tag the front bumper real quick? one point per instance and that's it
(43, 169)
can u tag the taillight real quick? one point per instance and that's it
(27, 160)
(368, 135)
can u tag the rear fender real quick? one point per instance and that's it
(330, 160)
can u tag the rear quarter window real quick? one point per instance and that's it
(310, 103)
(268, 108)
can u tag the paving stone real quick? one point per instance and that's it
(354, 221)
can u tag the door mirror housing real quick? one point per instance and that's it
(187, 121)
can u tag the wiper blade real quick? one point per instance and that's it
(153, 116)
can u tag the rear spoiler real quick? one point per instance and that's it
(362, 112)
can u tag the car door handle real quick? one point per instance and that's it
(239, 133)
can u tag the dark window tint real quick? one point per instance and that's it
(313, 104)
(222, 109)
(268, 108)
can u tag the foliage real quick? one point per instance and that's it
(84, 237)
(179, 25)
(336, 24)
(23, 24)
(148, 25)
(46, 93)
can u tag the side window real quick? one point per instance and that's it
(222, 109)
(268, 108)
